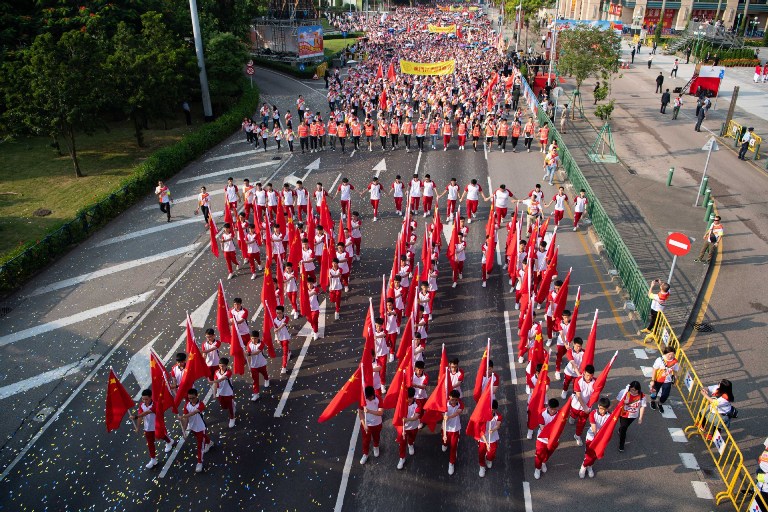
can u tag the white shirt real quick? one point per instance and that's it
(598, 420)
(289, 281)
(495, 421)
(633, 408)
(281, 324)
(204, 200)
(429, 188)
(302, 196)
(258, 360)
(421, 381)
(345, 191)
(453, 192)
(413, 424)
(580, 204)
(500, 198)
(242, 327)
(397, 189)
(195, 423)
(380, 342)
(211, 358)
(225, 386)
(335, 279)
(319, 195)
(228, 242)
(473, 192)
(571, 369)
(415, 188)
(585, 389)
(308, 259)
(231, 193)
(372, 405)
(260, 197)
(253, 246)
(454, 424)
(342, 257)
(560, 201)
(547, 419)
(375, 191)
(149, 419)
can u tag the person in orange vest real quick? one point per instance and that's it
(447, 132)
(321, 142)
(461, 132)
(475, 133)
(313, 137)
(357, 131)
(543, 137)
(502, 132)
(421, 130)
(407, 130)
(516, 129)
(332, 131)
(369, 133)
(383, 131)
(341, 133)
(434, 128)
(490, 133)
(394, 133)
(528, 133)
(304, 136)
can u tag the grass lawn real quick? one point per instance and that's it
(32, 176)
(332, 46)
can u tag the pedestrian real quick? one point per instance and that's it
(254, 251)
(543, 452)
(675, 65)
(687, 54)
(583, 388)
(146, 413)
(762, 469)
(239, 317)
(650, 61)
(597, 419)
(283, 337)
(579, 207)
(572, 371)
(758, 73)
(563, 118)
(204, 205)
(489, 440)
(659, 80)
(594, 91)
(720, 397)
(559, 199)
(410, 427)
(452, 428)
(658, 302)
(632, 401)
(458, 268)
(334, 288)
(210, 351)
(228, 247)
(164, 197)
(653, 48)
(313, 315)
(676, 108)
(370, 418)
(664, 369)
(711, 240)
(192, 420)
(745, 141)
(665, 99)
(257, 363)
(187, 112)
(701, 114)
(291, 288)
(222, 384)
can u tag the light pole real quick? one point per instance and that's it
(519, 22)
(553, 48)
(207, 110)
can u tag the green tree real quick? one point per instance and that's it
(225, 57)
(585, 52)
(62, 86)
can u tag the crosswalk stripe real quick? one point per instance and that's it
(234, 170)
(156, 229)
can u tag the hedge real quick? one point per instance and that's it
(732, 63)
(161, 165)
(722, 53)
(284, 67)
(350, 35)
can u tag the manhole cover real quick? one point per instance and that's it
(703, 327)
(5, 310)
(277, 158)
(163, 282)
(128, 318)
(43, 414)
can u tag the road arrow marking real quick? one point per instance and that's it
(138, 365)
(73, 319)
(380, 167)
(314, 166)
(200, 315)
(227, 171)
(45, 378)
(231, 155)
(149, 231)
(65, 283)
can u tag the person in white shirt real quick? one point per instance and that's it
(257, 363)
(458, 269)
(574, 355)
(192, 420)
(501, 197)
(543, 452)
(302, 200)
(163, 194)
(414, 193)
(597, 419)
(371, 419)
(489, 440)
(356, 235)
(231, 195)
(410, 428)
(579, 207)
(291, 287)
(375, 190)
(335, 287)
(210, 351)
(472, 192)
(146, 413)
(345, 190)
(254, 251)
(222, 383)
(560, 199)
(397, 194)
(452, 428)
(204, 205)
(452, 189)
(289, 200)
(428, 191)
(632, 401)
(583, 388)
(227, 240)
(280, 325)
(664, 369)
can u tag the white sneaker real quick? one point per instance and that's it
(461, 276)
(231, 274)
(363, 459)
(237, 267)
(590, 472)
(266, 383)
(169, 446)
(346, 289)
(391, 357)
(510, 281)
(314, 336)
(207, 446)
(450, 468)
(564, 395)
(254, 397)
(375, 451)
(453, 285)
(529, 435)
(283, 371)
(199, 467)
(543, 467)
(538, 306)
(383, 389)
(520, 360)
(152, 463)
(375, 219)
(537, 474)
(445, 448)
(253, 276)
(483, 284)
(517, 306)
(582, 472)
(549, 341)
(489, 464)
(232, 423)
(411, 450)
(425, 214)
(295, 314)
(260, 267)
(482, 471)
(527, 389)
(579, 442)
(400, 463)
(571, 421)
(574, 228)
(557, 375)
(335, 316)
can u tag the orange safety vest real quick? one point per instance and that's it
(332, 128)
(490, 130)
(383, 130)
(516, 130)
(342, 132)
(447, 129)
(529, 129)
(433, 127)
(544, 132)
(476, 131)
(394, 129)
(313, 130)
(421, 129)
(356, 129)
(368, 130)
(303, 130)
(407, 128)
(504, 130)
(462, 129)
(320, 129)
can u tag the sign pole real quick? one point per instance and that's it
(711, 143)
(671, 270)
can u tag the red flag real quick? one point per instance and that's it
(552, 431)
(543, 229)
(383, 100)
(237, 351)
(391, 72)
(326, 220)
(437, 229)
(280, 292)
(406, 339)
(437, 403)
(596, 448)
(214, 232)
(280, 216)
(348, 394)
(118, 402)
(379, 72)
(269, 304)
(546, 282)
(538, 398)
(572, 324)
(222, 316)
(459, 35)
(228, 215)
(294, 246)
(589, 350)
(562, 297)
(552, 245)
(401, 407)
(368, 328)
(161, 393)
(366, 363)
(325, 265)
(304, 296)
(267, 326)
(600, 381)
(454, 240)
(522, 346)
(340, 236)
(489, 253)
(426, 254)
(411, 307)
(482, 370)
(193, 370)
(400, 378)
(482, 414)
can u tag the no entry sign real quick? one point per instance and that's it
(678, 244)
(250, 70)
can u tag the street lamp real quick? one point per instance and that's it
(754, 23)
(519, 21)
(698, 43)
(207, 110)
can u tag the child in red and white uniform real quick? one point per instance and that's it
(222, 382)
(375, 190)
(302, 200)
(399, 296)
(247, 197)
(320, 240)
(391, 319)
(543, 452)
(357, 234)
(458, 268)
(455, 376)
(210, 350)
(192, 420)
(343, 259)
(146, 413)
(405, 274)
(228, 247)
(289, 200)
(583, 388)
(381, 350)
(410, 428)
(240, 317)
(452, 430)
(472, 192)
(370, 417)
(422, 326)
(520, 262)
(273, 200)
(572, 371)
(562, 343)
(489, 440)
(259, 202)
(420, 381)
(177, 371)
(452, 189)
(257, 363)
(334, 287)
(254, 251)
(314, 306)
(539, 267)
(560, 200)
(501, 197)
(307, 259)
(414, 193)
(231, 195)
(432, 281)
(291, 288)
(319, 195)
(424, 299)
(579, 207)
(490, 376)
(280, 325)
(345, 188)
(549, 314)
(428, 187)
(597, 419)
(276, 238)
(397, 194)
(483, 273)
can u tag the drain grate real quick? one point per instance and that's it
(277, 158)
(5, 310)
(703, 327)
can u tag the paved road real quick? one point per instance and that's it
(72, 463)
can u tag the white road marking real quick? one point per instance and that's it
(647, 371)
(300, 360)
(256, 314)
(55, 416)
(138, 365)
(510, 349)
(280, 168)
(232, 171)
(702, 490)
(65, 283)
(231, 155)
(382, 167)
(186, 199)
(689, 461)
(353, 153)
(182, 440)
(347, 466)
(527, 496)
(330, 190)
(73, 319)
(44, 378)
(156, 229)
(678, 435)
(640, 353)
(200, 315)
(314, 166)
(418, 161)
(669, 413)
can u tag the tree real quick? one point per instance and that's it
(225, 56)
(63, 88)
(585, 51)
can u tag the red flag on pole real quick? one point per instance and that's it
(437, 403)
(600, 381)
(349, 394)
(294, 246)
(522, 346)
(228, 215)
(482, 370)
(118, 402)
(383, 99)
(379, 72)
(454, 240)
(325, 265)
(482, 414)
(489, 253)
(589, 350)
(241, 242)
(391, 72)
(161, 393)
(400, 378)
(596, 448)
(193, 370)
(237, 351)
(538, 398)
(552, 245)
(572, 324)
(383, 299)
(401, 407)
(304, 296)
(562, 297)
(546, 282)
(222, 316)
(406, 339)
(550, 434)
(267, 326)
(214, 232)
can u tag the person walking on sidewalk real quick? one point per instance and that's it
(675, 65)
(687, 54)
(632, 54)
(164, 197)
(677, 105)
(700, 116)
(597, 88)
(659, 79)
(650, 61)
(744, 143)
(711, 240)
(665, 98)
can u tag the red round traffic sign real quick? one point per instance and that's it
(250, 70)
(678, 244)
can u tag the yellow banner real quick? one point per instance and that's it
(436, 29)
(446, 67)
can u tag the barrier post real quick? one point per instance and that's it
(669, 176)
(708, 211)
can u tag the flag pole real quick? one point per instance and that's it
(445, 415)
